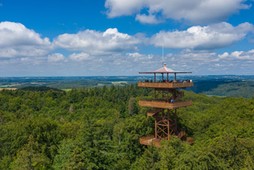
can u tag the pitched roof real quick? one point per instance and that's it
(164, 69)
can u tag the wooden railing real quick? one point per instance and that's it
(165, 84)
(164, 105)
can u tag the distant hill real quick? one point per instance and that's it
(221, 85)
(234, 89)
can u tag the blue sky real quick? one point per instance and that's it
(123, 37)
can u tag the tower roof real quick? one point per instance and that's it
(164, 69)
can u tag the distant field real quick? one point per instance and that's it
(66, 90)
(8, 89)
(219, 85)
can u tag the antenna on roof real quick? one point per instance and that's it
(162, 53)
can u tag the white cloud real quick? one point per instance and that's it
(138, 57)
(206, 37)
(17, 41)
(88, 49)
(93, 42)
(79, 57)
(238, 55)
(12, 33)
(224, 55)
(147, 19)
(135, 55)
(205, 62)
(197, 11)
(25, 51)
(56, 57)
(199, 62)
(123, 7)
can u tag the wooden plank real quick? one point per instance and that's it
(149, 140)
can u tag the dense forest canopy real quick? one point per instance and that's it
(99, 128)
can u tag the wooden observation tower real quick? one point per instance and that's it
(168, 98)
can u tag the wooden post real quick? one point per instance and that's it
(176, 128)
(175, 76)
(155, 129)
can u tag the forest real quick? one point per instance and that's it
(99, 128)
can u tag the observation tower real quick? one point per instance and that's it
(163, 107)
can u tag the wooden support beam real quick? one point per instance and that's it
(155, 129)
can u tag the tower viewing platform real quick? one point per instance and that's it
(164, 104)
(167, 99)
(166, 84)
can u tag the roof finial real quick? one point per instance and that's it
(162, 53)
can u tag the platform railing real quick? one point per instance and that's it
(166, 84)
(164, 104)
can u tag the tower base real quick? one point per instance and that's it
(152, 141)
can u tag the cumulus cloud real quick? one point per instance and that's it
(25, 51)
(56, 57)
(79, 56)
(198, 62)
(206, 37)
(86, 51)
(135, 55)
(17, 41)
(147, 19)
(138, 57)
(123, 7)
(91, 41)
(238, 55)
(205, 62)
(224, 55)
(196, 11)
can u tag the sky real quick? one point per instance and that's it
(124, 37)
